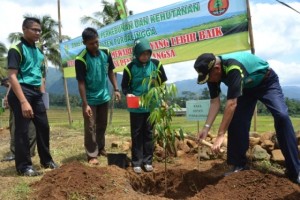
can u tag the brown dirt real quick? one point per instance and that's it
(185, 181)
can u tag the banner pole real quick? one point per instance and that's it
(253, 52)
(65, 80)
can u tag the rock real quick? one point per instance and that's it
(126, 146)
(209, 135)
(258, 153)
(204, 153)
(253, 141)
(183, 146)
(192, 144)
(266, 136)
(277, 156)
(268, 145)
(254, 134)
(180, 153)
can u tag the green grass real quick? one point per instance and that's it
(58, 118)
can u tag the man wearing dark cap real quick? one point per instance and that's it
(248, 79)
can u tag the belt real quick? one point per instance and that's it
(32, 87)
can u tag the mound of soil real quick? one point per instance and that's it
(78, 181)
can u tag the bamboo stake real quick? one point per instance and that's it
(64, 79)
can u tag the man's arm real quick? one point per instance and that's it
(227, 116)
(82, 92)
(80, 70)
(16, 87)
(6, 104)
(212, 114)
(113, 80)
(85, 107)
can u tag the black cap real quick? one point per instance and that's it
(203, 65)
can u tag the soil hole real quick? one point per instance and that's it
(181, 183)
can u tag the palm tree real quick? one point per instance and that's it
(108, 15)
(48, 43)
(3, 51)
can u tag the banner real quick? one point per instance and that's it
(177, 32)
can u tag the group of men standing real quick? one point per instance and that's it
(248, 78)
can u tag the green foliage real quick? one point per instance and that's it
(157, 99)
(108, 15)
(3, 51)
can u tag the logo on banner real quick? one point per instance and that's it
(218, 7)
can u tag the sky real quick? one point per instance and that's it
(276, 29)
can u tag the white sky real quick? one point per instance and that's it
(276, 29)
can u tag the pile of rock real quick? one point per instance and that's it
(261, 147)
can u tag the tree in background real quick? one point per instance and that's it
(205, 94)
(49, 40)
(3, 51)
(108, 15)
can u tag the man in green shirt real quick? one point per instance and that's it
(94, 66)
(25, 70)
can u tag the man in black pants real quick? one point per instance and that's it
(25, 69)
(31, 133)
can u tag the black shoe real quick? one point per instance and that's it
(29, 172)
(293, 178)
(298, 179)
(50, 165)
(8, 158)
(102, 153)
(236, 169)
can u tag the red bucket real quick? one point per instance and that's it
(133, 102)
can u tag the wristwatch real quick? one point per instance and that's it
(207, 125)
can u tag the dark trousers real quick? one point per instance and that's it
(142, 139)
(31, 135)
(269, 92)
(40, 120)
(94, 130)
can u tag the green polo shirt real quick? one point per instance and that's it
(93, 70)
(28, 60)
